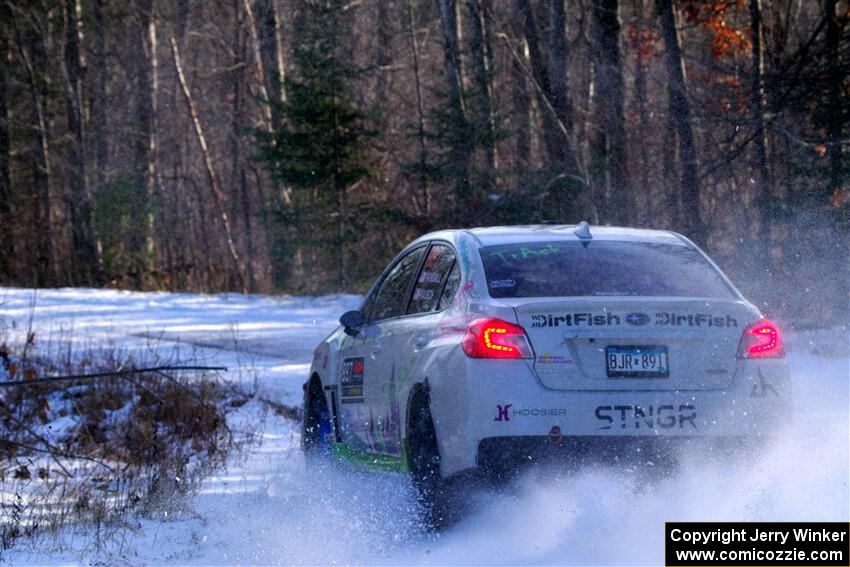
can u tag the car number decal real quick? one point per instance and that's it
(352, 380)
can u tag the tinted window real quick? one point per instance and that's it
(452, 283)
(431, 279)
(391, 298)
(561, 269)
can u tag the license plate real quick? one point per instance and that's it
(637, 361)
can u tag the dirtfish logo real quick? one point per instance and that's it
(664, 319)
(575, 320)
(637, 319)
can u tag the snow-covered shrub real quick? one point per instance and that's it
(98, 451)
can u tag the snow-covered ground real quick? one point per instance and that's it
(266, 509)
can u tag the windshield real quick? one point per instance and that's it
(601, 268)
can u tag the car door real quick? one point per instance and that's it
(405, 339)
(361, 387)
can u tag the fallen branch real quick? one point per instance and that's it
(107, 374)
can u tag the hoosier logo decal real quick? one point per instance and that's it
(502, 412)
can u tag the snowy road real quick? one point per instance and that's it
(265, 509)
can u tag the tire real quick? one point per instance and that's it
(316, 426)
(423, 457)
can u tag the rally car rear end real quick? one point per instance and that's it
(611, 374)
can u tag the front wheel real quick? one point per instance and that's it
(316, 427)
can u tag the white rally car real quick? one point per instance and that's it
(478, 350)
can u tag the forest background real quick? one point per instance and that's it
(295, 146)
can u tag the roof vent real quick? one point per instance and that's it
(583, 231)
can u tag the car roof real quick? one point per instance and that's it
(498, 235)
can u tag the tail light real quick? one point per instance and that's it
(494, 338)
(761, 340)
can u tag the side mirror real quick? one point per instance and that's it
(352, 321)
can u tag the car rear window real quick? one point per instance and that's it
(569, 268)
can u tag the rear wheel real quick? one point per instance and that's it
(423, 455)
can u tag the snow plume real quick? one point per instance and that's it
(315, 517)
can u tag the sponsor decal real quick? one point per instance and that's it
(495, 284)
(505, 413)
(662, 319)
(650, 417)
(547, 358)
(673, 319)
(524, 252)
(352, 379)
(637, 319)
(574, 320)
(763, 388)
(420, 294)
(430, 277)
(502, 412)
(539, 412)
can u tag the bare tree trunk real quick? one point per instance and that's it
(551, 137)
(680, 112)
(383, 62)
(281, 59)
(268, 29)
(201, 252)
(460, 152)
(152, 186)
(550, 76)
(144, 132)
(481, 80)
(837, 111)
(34, 58)
(647, 212)
(84, 261)
(520, 100)
(610, 132)
(757, 102)
(425, 197)
(672, 195)
(259, 64)
(7, 248)
(98, 108)
(448, 18)
(559, 94)
(239, 189)
(218, 195)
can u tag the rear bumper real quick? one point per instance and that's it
(503, 405)
(503, 457)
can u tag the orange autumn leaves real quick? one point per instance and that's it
(719, 19)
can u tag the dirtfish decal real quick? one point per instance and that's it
(693, 320)
(662, 319)
(575, 320)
